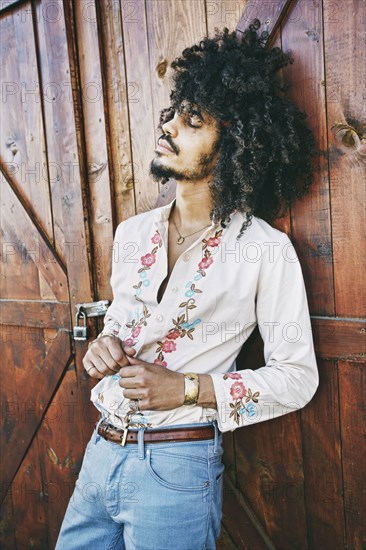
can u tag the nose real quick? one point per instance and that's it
(170, 126)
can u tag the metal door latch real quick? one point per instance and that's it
(91, 309)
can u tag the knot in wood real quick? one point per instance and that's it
(162, 68)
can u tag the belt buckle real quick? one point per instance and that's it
(124, 437)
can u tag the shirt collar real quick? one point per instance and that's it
(163, 213)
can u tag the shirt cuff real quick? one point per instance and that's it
(245, 397)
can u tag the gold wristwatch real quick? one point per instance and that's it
(191, 388)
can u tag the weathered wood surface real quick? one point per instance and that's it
(344, 50)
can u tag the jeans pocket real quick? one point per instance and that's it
(178, 472)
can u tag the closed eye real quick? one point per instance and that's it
(194, 121)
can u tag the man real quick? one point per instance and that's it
(191, 280)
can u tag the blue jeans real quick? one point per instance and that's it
(146, 496)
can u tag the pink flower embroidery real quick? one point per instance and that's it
(213, 241)
(205, 262)
(162, 363)
(173, 335)
(168, 346)
(233, 375)
(238, 390)
(128, 343)
(136, 331)
(156, 239)
(148, 260)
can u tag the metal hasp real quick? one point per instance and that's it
(93, 309)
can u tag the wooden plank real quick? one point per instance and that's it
(118, 91)
(352, 384)
(36, 313)
(27, 253)
(142, 126)
(310, 217)
(62, 452)
(22, 132)
(23, 410)
(96, 147)
(249, 533)
(30, 502)
(345, 85)
(321, 448)
(270, 477)
(69, 210)
(336, 338)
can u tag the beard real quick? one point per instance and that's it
(203, 168)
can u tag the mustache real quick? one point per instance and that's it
(169, 141)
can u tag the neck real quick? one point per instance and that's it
(192, 206)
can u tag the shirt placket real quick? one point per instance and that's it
(174, 292)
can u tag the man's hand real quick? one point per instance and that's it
(157, 387)
(106, 356)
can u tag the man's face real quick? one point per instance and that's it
(193, 138)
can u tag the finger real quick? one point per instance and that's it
(92, 371)
(130, 383)
(128, 350)
(129, 372)
(132, 394)
(100, 365)
(113, 359)
(111, 352)
(133, 360)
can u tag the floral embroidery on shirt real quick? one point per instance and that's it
(238, 391)
(182, 327)
(147, 261)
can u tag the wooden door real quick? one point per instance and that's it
(46, 223)
(83, 82)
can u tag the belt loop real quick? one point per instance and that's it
(216, 440)
(97, 436)
(140, 441)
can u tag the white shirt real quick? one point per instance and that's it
(219, 290)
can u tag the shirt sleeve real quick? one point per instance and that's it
(289, 378)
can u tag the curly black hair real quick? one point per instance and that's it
(265, 147)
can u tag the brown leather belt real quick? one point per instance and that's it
(117, 435)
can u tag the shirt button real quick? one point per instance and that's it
(159, 318)
(186, 257)
(174, 289)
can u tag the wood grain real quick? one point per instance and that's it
(345, 85)
(117, 90)
(310, 217)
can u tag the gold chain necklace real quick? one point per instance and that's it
(181, 239)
